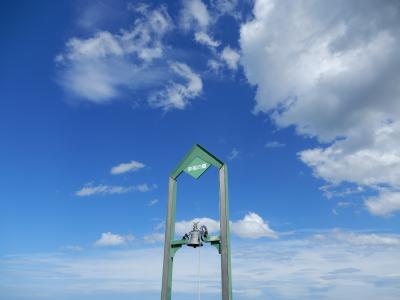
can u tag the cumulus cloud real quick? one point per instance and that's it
(370, 158)
(178, 95)
(385, 204)
(251, 226)
(108, 239)
(304, 75)
(334, 78)
(131, 166)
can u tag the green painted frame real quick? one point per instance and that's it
(222, 243)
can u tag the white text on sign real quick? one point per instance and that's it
(197, 167)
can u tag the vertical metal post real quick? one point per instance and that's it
(226, 278)
(169, 236)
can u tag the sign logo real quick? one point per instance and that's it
(197, 167)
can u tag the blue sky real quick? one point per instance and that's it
(100, 100)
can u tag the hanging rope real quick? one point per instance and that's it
(198, 276)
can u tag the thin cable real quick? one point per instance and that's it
(198, 276)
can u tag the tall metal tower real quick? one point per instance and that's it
(195, 163)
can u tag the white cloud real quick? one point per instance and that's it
(183, 227)
(305, 75)
(369, 239)
(89, 190)
(343, 204)
(177, 95)
(144, 187)
(334, 190)
(154, 238)
(194, 14)
(214, 65)
(360, 239)
(205, 39)
(99, 68)
(385, 204)
(103, 189)
(274, 144)
(336, 79)
(74, 248)
(131, 166)
(234, 154)
(252, 226)
(101, 45)
(228, 7)
(298, 268)
(370, 158)
(108, 239)
(230, 57)
(153, 202)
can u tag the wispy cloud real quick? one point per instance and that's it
(178, 95)
(74, 248)
(153, 202)
(144, 187)
(154, 237)
(90, 189)
(274, 144)
(99, 68)
(205, 39)
(131, 166)
(234, 154)
(103, 189)
(360, 239)
(106, 65)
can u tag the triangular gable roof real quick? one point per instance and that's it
(196, 151)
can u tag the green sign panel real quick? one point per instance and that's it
(197, 167)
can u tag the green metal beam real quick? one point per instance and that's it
(221, 243)
(196, 151)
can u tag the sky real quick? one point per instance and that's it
(100, 100)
